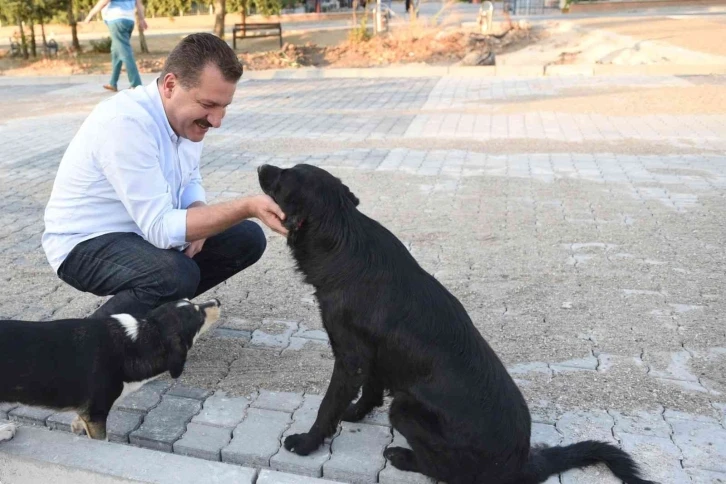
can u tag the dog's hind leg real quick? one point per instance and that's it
(371, 397)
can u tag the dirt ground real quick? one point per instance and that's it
(412, 44)
(620, 41)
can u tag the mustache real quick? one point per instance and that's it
(203, 123)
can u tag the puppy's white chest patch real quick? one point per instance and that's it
(129, 323)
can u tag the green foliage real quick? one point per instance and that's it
(360, 33)
(102, 46)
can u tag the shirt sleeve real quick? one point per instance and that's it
(194, 192)
(128, 154)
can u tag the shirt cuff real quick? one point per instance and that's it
(176, 226)
(193, 193)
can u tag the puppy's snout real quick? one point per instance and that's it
(211, 304)
(211, 311)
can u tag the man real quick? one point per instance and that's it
(127, 215)
(119, 18)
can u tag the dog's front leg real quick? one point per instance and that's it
(343, 388)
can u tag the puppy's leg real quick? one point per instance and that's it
(371, 398)
(7, 431)
(344, 385)
(79, 425)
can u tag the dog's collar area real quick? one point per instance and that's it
(300, 224)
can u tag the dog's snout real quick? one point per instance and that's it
(214, 303)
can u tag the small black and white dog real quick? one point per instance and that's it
(86, 365)
(392, 326)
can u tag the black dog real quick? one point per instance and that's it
(86, 365)
(392, 326)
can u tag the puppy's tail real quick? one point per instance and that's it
(546, 461)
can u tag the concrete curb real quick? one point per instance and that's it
(41, 455)
(414, 71)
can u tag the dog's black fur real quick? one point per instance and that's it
(87, 364)
(393, 327)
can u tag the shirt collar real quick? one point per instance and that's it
(152, 90)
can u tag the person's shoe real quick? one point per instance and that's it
(109, 87)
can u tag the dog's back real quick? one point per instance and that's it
(54, 363)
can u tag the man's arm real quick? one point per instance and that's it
(203, 221)
(142, 18)
(97, 8)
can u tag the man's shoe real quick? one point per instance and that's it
(109, 87)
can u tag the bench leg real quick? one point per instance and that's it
(280, 40)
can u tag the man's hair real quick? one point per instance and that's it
(189, 58)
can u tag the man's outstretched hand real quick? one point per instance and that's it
(269, 213)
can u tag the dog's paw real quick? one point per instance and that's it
(353, 413)
(401, 458)
(7, 431)
(78, 426)
(301, 444)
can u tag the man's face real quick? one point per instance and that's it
(191, 112)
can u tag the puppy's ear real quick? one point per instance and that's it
(177, 356)
(350, 196)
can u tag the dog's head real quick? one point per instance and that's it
(305, 193)
(180, 324)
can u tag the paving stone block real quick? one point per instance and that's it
(5, 408)
(188, 392)
(544, 434)
(222, 411)
(145, 398)
(357, 453)
(311, 464)
(120, 424)
(257, 438)
(586, 425)
(61, 421)
(166, 423)
(273, 477)
(278, 401)
(30, 415)
(597, 474)
(391, 475)
(658, 457)
(700, 476)
(703, 444)
(640, 423)
(203, 441)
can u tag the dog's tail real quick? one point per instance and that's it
(546, 461)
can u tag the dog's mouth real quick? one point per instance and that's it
(211, 311)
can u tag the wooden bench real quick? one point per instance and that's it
(242, 31)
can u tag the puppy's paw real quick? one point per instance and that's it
(78, 426)
(401, 458)
(353, 413)
(301, 444)
(7, 431)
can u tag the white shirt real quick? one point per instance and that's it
(124, 171)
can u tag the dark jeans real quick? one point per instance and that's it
(142, 277)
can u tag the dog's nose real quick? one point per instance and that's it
(214, 303)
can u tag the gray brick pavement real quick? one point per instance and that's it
(587, 248)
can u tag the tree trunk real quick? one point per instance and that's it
(317, 6)
(219, 13)
(142, 37)
(74, 29)
(23, 41)
(33, 47)
(42, 32)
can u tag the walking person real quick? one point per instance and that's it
(118, 15)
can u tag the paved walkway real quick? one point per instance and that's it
(583, 233)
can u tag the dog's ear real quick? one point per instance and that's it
(177, 356)
(350, 196)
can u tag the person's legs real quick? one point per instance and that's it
(139, 275)
(116, 39)
(228, 253)
(126, 53)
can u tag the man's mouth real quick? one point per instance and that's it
(202, 124)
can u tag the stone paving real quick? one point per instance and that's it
(586, 245)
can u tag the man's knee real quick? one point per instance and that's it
(257, 244)
(179, 277)
(250, 240)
